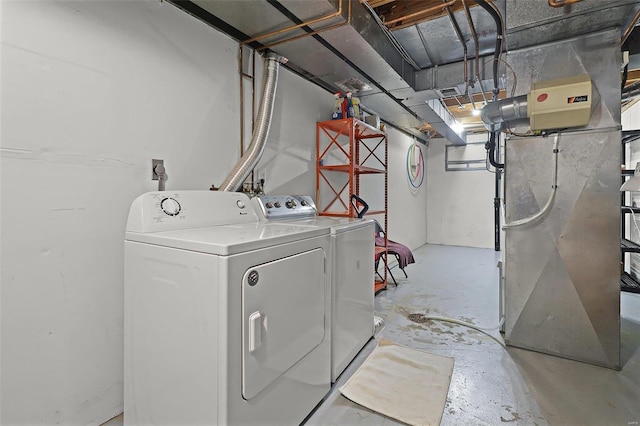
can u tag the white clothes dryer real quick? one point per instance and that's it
(226, 318)
(352, 271)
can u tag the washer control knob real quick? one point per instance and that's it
(269, 205)
(277, 204)
(291, 203)
(240, 204)
(170, 206)
(304, 203)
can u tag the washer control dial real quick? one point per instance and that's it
(170, 206)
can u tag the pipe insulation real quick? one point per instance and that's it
(499, 38)
(254, 152)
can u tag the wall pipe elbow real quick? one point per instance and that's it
(495, 114)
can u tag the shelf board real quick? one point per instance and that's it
(379, 286)
(629, 284)
(628, 246)
(357, 169)
(362, 129)
(628, 209)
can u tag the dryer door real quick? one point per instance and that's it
(282, 317)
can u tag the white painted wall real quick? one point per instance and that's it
(289, 160)
(91, 91)
(408, 212)
(460, 209)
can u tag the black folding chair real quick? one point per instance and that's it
(402, 253)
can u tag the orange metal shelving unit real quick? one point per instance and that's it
(347, 149)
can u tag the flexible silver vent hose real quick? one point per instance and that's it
(250, 159)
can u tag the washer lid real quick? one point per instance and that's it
(230, 239)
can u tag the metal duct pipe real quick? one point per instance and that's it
(494, 114)
(250, 159)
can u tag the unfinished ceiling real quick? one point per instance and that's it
(416, 63)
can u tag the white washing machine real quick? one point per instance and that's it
(226, 318)
(352, 271)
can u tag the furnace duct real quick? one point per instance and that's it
(495, 114)
(252, 156)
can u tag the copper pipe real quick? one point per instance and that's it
(456, 28)
(254, 152)
(295, 27)
(347, 22)
(560, 3)
(436, 8)
(474, 35)
(630, 28)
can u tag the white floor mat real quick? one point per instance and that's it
(402, 383)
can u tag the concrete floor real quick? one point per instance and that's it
(490, 385)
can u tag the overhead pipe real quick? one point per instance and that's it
(476, 43)
(497, 112)
(474, 35)
(310, 33)
(426, 11)
(501, 34)
(295, 27)
(254, 152)
(456, 28)
(498, 49)
(396, 44)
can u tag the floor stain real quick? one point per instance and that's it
(515, 415)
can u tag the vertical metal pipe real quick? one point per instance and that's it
(456, 28)
(497, 17)
(496, 212)
(241, 73)
(476, 44)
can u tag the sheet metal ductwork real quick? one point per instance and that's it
(355, 49)
(250, 159)
(562, 271)
(495, 114)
